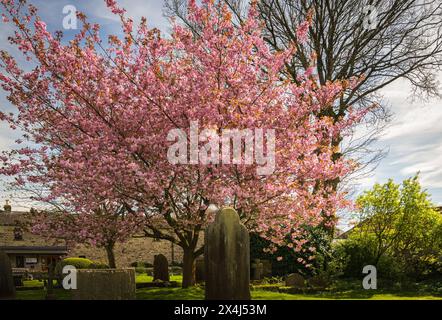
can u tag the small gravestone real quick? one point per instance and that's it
(257, 270)
(200, 270)
(105, 284)
(160, 268)
(227, 258)
(7, 288)
(266, 268)
(295, 280)
(318, 282)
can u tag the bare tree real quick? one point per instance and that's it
(378, 41)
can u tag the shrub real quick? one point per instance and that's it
(139, 264)
(351, 256)
(140, 270)
(98, 265)
(289, 262)
(79, 263)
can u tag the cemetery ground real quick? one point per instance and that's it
(339, 290)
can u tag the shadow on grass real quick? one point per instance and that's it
(194, 293)
(40, 294)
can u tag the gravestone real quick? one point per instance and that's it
(257, 270)
(7, 288)
(318, 282)
(50, 285)
(227, 258)
(160, 268)
(267, 268)
(105, 284)
(200, 270)
(295, 280)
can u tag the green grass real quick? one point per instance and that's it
(197, 293)
(343, 291)
(144, 278)
(267, 295)
(194, 293)
(40, 294)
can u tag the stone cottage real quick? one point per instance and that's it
(32, 252)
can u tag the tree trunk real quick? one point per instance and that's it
(7, 288)
(188, 267)
(111, 256)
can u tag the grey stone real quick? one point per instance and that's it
(318, 282)
(267, 268)
(295, 280)
(257, 270)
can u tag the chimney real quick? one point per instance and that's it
(7, 207)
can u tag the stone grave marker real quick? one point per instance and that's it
(257, 270)
(160, 268)
(267, 268)
(227, 258)
(295, 280)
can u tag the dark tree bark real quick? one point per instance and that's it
(188, 267)
(7, 288)
(111, 256)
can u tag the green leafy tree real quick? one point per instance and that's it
(400, 221)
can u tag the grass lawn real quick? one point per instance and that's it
(197, 293)
(259, 293)
(143, 278)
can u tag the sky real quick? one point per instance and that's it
(413, 138)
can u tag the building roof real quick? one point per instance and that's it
(35, 249)
(9, 220)
(13, 218)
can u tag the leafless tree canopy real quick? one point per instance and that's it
(382, 40)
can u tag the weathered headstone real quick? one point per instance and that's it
(105, 284)
(295, 280)
(160, 268)
(318, 282)
(257, 268)
(7, 288)
(267, 268)
(200, 270)
(50, 285)
(227, 258)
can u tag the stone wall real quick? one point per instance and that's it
(134, 250)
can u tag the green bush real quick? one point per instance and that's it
(139, 264)
(79, 263)
(316, 237)
(351, 256)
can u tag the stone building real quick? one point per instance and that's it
(32, 252)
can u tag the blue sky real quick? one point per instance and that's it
(413, 138)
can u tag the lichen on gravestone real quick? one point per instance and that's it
(227, 258)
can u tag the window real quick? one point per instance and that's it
(20, 262)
